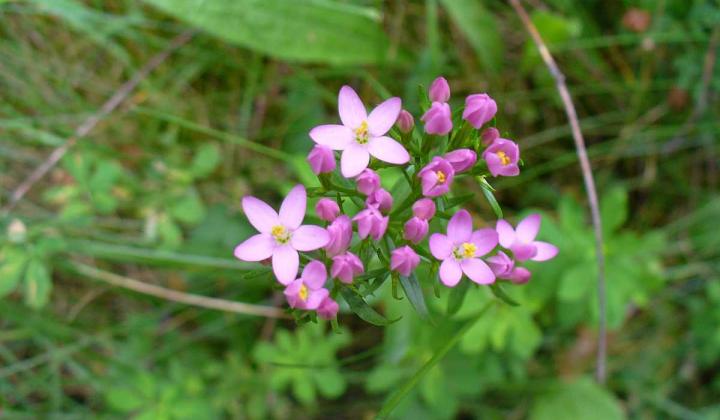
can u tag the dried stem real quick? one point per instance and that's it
(600, 371)
(89, 124)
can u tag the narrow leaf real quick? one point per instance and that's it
(415, 295)
(457, 296)
(488, 193)
(37, 284)
(480, 28)
(362, 309)
(500, 294)
(456, 201)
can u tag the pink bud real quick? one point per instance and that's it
(371, 222)
(424, 208)
(438, 119)
(461, 159)
(479, 109)
(404, 260)
(501, 265)
(368, 181)
(520, 275)
(346, 266)
(380, 199)
(321, 159)
(405, 122)
(328, 308)
(439, 90)
(327, 209)
(489, 135)
(340, 231)
(415, 229)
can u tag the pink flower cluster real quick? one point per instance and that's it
(430, 171)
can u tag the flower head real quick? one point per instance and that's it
(424, 208)
(415, 229)
(404, 260)
(321, 159)
(461, 159)
(521, 241)
(479, 109)
(436, 177)
(308, 292)
(340, 231)
(439, 90)
(368, 181)
(328, 308)
(489, 135)
(460, 251)
(361, 135)
(346, 266)
(371, 222)
(327, 209)
(380, 199)
(438, 119)
(281, 235)
(502, 158)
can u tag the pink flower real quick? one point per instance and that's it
(346, 266)
(424, 208)
(479, 109)
(368, 181)
(438, 119)
(328, 309)
(307, 292)
(436, 177)
(281, 236)
(521, 241)
(460, 250)
(327, 209)
(380, 199)
(340, 231)
(404, 260)
(362, 135)
(371, 222)
(439, 90)
(520, 275)
(501, 264)
(489, 135)
(502, 158)
(415, 229)
(405, 122)
(461, 159)
(321, 159)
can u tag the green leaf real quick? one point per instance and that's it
(487, 190)
(301, 30)
(189, 208)
(457, 296)
(415, 295)
(362, 309)
(12, 264)
(582, 399)
(500, 294)
(613, 209)
(456, 201)
(480, 28)
(123, 399)
(37, 284)
(205, 161)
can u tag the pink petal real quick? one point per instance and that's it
(309, 238)
(315, 298)
(522, 251)
(545, 251)
(528, 227)
(477, 271)
(460, 227)
(351, 109)
(388, 150)
(506, 233)
(259, 214)
(334, 136)
(285, 263)
(382, 118)
(314, 275)
(450, 272)
(256, 248)
(292, 209)
(440, 246)
(485, 240)
(354, 160)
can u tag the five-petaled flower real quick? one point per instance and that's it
(521, 241)
(308, 292)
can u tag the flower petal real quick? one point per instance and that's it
(388, 150)
(315, 298)
(460, 227)
(528, 227)
(334, 136)
(522, 251)
(440, 246)
(450, 272)
(506, 233)
(314, 274)
(545, 251)
(382, 118)
(350, 107)
(256, 248)
(485, 240)
(285, 263)
(354, 160)
(292, 209)
(478, 271)
(259, 214)
(309, 238)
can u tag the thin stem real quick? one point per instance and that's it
(600, 368)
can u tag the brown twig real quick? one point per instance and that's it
(84, 129)
(174, 295)
(600, 371)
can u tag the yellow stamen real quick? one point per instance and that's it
(303, 293)
(361, 133)
(469, 249)
(280, 234)
(504, 159)
(441, 177)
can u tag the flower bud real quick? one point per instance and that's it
(346, 266)
(461, 159)
(479, 109)
(501, 265)
(368, 181)
(328, 308)
(404, 260)
(424, 208)
(327, 209)
(520, 275)
(371, 222)
(380, 199)
(405, 122)
(439, 90)
(340, 231)
(489, 135)
(415, 229)
(321, 159)
(502, 158)
(438, 119)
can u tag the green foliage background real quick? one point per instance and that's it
(153, 194)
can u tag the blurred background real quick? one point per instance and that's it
(152, 195)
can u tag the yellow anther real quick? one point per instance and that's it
(441, 177)
(361, 133)
(303, 293)
(280, 234)
(504, 159)
(469, 249)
